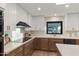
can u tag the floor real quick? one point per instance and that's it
(44, 53)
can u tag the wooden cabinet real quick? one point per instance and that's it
(41, 43)
(37, 43)
(52, 43)
(16, 52)
(77, 41)
(28, 48)
(44, 44)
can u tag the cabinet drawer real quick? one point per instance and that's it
(52, 43)
(58, 40)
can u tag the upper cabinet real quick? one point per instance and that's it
(72, 24)
(72, 21)
(14, 13)
(22, 15)
(10, 17)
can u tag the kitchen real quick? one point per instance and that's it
(41, 29)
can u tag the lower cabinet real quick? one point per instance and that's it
(46, 43)
(41, 44)
(24, 50)
(77, 41)
(17, 52)
(28, 48)
(53, 42)
(37, 43)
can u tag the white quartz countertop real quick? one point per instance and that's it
(13, 45)
(52, 36)
(68, 50)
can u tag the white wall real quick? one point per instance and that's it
(2, 5)
(38, 23)
(70, 21)
(56, 18)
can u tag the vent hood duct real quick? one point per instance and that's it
(22, 24)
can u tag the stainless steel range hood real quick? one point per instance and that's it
(22, 24)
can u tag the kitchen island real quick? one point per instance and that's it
(68, 50)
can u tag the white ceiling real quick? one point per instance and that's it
(49, 9)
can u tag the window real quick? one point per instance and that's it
(54, 27)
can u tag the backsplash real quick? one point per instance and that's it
(66, 33)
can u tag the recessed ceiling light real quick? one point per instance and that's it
(39, 9)
(55, 14)
(60, 3)
(66, 6)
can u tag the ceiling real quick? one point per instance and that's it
(49, 9)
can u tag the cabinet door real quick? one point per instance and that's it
(28, 48)
(53, 42)
(37, 43)
(77, 41)
(44, 43)
(52, 46)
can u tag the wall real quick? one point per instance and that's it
(56, 18)
(70, 21)
(39, 22)
(2, 5)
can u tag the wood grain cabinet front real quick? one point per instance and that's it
(53, 42)
(37, 43)
(41, 44)
(44, 44)
(77, 41)
(28, 48)
(17, 52)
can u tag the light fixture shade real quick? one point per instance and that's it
(22, 24)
